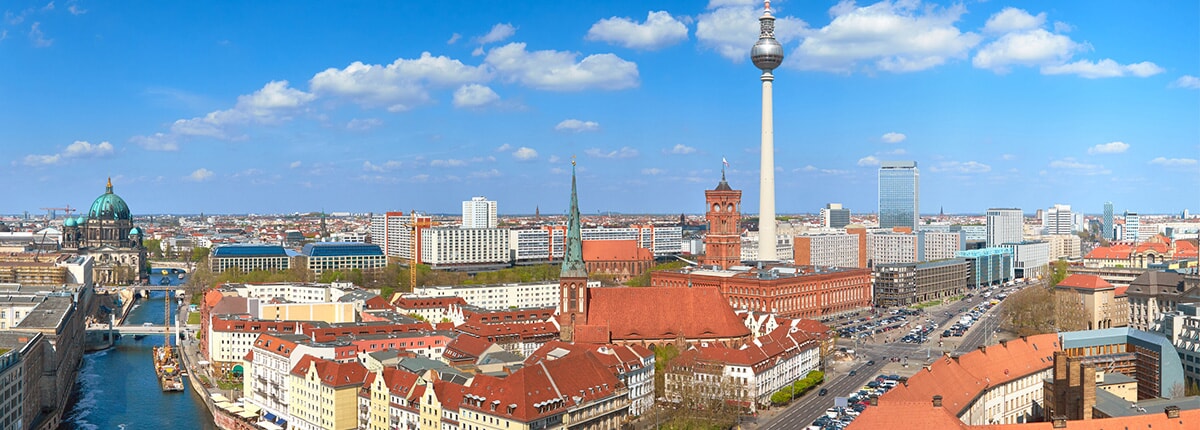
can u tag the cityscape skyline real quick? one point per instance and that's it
(1002, 105)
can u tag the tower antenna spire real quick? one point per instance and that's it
(767, 55)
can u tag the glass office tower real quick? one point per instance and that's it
(898, 194)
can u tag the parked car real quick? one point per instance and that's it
(822, 392)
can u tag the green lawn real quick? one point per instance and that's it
(193, 318)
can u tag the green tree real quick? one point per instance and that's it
(200, 254)
(643, 280)
(1058, 272)
(153, 247)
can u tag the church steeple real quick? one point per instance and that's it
(573, 266)
(108, 188)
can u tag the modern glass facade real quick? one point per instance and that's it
(989, 266)
(898, 194)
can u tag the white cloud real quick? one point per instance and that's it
(961, 167)
(503, 148)
(38, 37)
(731, 27)
(498, 33)
(1069, 165)
(525, 153)
(558, 70)
(1012, 19)
(1109, 148)
(363, 124)
(900, 36)
(1174, 162)
(447, 163)
(682, 149)
(3, 34)
(156, 142)
(660, 30)
(1187, 81)
(893, 137)
(1062, 27)
(474, 95)
(653, 171)
(386, 166)
(484, 174)
(76, 10)
(200, 175)
(295, 164)
(453, 38)
(77, 149)
(1106, 68)
(1032, 48)
(624, 152)
(272, 104)
(398, 86)
(577, 125)
(1008, 157)
(869, 160)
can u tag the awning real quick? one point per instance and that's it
(223, 404)
(251, 408)
(269, 417)
(247, 415)
(268, 425)
(235, 409)
(219, 398)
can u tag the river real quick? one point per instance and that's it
(117, 388)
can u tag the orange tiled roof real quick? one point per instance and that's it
(633, 313)
(614, 250)
(1114, 252)
(1120, 291)
(1085, 281)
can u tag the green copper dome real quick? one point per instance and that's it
(109, 206)
(69, 222)
(134, 231)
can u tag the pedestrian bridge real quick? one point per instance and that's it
(134, 329)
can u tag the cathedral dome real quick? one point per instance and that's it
(109, 206)
(69, 222)
(134, 231)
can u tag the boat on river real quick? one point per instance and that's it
(166, 365)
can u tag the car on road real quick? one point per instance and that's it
(870, 362)
(853, 372)
(822, 392)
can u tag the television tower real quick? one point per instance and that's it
(767, 54)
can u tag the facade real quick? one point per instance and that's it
(501, 296)
(789, 291)
(1182, 328)
(394, 233)
(548, 243)
(1154, 294)
(1062, 246)
(1107, 228)
(891, 248)
(343, 256)
(908, 284)
(988, 266)
(619, 260)
(108, 235)
(1132, 230)
(1004, 225)
(323, 394)
(833, 215)
(479, 212)
(31, 269)
(1104, 306)
(389, 400)
(20, 371)
(723, 242)
(248, 258)
(899, 194)
(449, 247)
(831, 250)
(1059, 220)
(1030, 259)
(1149, 358)
(933, 245)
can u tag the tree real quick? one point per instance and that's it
(153, 247)
(1029, 311)
(643, 280)
(1058, 272)
(199, 254)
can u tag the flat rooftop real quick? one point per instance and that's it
(50, 314)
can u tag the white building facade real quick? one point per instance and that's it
(1004, 225)
(479, 212)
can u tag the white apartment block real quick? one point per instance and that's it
(1009, 403)
(459, 246)
(783, 246)
(502, 296)
(889, 248)
(833, 250)
(1062, 246)
(548, 243)
(934, 245)
(1132, 227)
(1059, 220)
(1030, 258)
(536, 244)
(350, 236)
(479, 212)
(1004, 226)
(393, 233)
(293, 292)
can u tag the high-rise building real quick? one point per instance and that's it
(899, 194)
(723, 243)
(767, 54)
(1004, 225)
(834, 216)
(394, 233)
(479, 212)
(1059, 220)
(1133, 223)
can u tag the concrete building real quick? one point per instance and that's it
(1154, 294)
(546, 244)
(1107, 226)
(1149, 358)
(1104, 306)
(445, 247)
(899, 194)
(891, 248)
(21, 355)
(1030, 259)
(501, 296)
(933, 246)
(907, 284)
(248, 258)
(1059, 220)
(833, 215)
(988, 266)
(323, 394)
(831, 250)
(479, 212)
(1133, 227)
(394, 233)
(1004, 225)
(1182, 328)
(1062, 246)
(343, 256)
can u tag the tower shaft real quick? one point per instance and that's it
(766, 184)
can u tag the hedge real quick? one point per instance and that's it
(799, 387)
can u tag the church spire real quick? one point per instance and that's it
(108, 188)
(573, 266)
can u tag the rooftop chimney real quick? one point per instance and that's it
(937, 400)
(1004, 343)
(1060, 422)
(983, 348)
(874, 401)
(1172, 411)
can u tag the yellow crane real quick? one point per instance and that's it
(417, 225)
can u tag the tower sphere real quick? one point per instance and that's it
(767, 54)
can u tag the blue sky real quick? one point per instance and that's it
(370, 106)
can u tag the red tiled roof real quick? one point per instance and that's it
(614, 250)
(542, 388)
(923, 415)
(633, 313)
(1085, 281)
(1114, 252)
(332, 373)
(1120, 291)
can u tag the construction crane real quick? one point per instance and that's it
(417, 224)
(51, 213)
